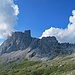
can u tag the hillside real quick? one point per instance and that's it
(56, 66)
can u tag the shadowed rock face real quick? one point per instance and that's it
(18, 41)
(21, 41)
(22, 45)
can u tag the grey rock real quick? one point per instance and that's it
(18, 41)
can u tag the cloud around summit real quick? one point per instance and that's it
(8, 17)
(63, 35)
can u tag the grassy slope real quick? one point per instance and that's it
(57, 66)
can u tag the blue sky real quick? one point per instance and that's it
(43, 17)
(39, 15)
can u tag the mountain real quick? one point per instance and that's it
(21, 45)
(21, 54)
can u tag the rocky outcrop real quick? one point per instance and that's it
(18, 41)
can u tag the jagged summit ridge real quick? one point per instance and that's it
(18, 41)
(22, 45)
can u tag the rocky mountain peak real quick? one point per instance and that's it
(27, 33)
(50, 39)
(18, 41)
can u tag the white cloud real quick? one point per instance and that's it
(8, 17)
(63, 35)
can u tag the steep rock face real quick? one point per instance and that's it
(47, 44)
(18, 41)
